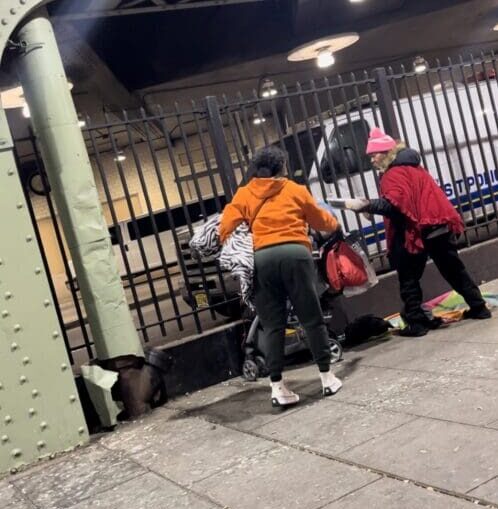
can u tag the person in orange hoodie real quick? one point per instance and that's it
(278, 212)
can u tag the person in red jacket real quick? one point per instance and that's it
(420, 222)
(278, 212)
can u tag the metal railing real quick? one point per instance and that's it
(161, 173)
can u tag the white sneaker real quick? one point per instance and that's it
(330, 383)
(281, 396)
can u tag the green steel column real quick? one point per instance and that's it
(40, 413)
(70, 174)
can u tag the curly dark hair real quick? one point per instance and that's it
(268, 162)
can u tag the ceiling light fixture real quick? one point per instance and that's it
(356, 1)
(323, 50)
(420, 65)
(325, 58)
(258, 120)
(495, 28)
(120, 157)
(268, 89)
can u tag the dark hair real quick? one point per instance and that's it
(268, 162)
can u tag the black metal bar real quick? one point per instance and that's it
(246, 125)
(414, 117)
(445, 147)
(62, 249)
(115, 222)
(358, 158)
(191, 164)
(221, 152)
(466, 134)
(215, 192)
(457, 147)
(371, 99)
(295, 137)
(150, 210)
(490, 140)
(328, 153)
(428, 126)
(240, 152)
(485, 113)
(134, 223)
(385, 101)
(259, 111)
(240, 134)
(342, 158)
(171, 223)
(397, 100)
(374, 173)
(46, 266)
(152, 9)
(190, 313)
(176, 173)
(311, 141)
(205, 155)
(276, 123)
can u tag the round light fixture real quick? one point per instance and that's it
(268, 89)
(495, 28)
(420, 65)
(258, 119)
(325, 58)
(323, 50)
(120, 157)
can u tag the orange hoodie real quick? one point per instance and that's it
(284, 217)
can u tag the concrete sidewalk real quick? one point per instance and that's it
(414, 427)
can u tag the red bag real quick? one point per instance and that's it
(345, 267)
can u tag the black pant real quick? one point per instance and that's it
(410, 267)
(282, 272)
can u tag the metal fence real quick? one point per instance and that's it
(160, 173)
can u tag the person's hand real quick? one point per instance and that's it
(356, 204)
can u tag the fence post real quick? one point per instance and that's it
(385, 101)
(221, 151)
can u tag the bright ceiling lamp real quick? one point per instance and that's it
(325, 58)
(420, 65)
(120, 157)
(323, 50)
(258, 119)
(495, 28)
(268, 89)
(356, 1)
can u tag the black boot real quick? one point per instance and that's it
(479, 313)
(435, 323)
(414, 330)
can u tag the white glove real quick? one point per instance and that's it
(356, 204)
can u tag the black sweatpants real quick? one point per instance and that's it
(410, 267)
(282, 272)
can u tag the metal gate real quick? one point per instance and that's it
(160, 173)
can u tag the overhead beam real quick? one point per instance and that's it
(132, 11)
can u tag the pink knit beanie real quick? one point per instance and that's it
(379, 141)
